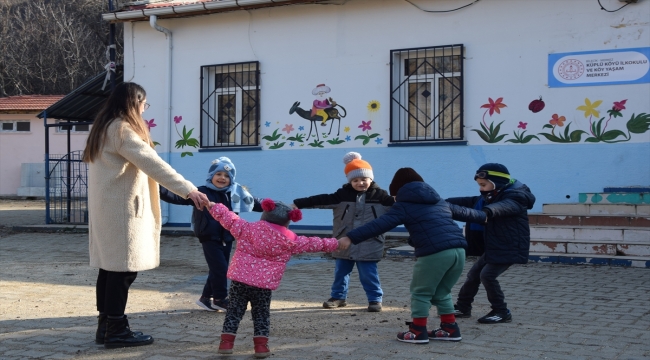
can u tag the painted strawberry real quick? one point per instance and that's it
(536, 105)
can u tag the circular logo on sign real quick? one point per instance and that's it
(571, 69)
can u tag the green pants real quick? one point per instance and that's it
(433, 277)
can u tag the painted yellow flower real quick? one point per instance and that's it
(590, 108)
(373, 106)
(346, 129)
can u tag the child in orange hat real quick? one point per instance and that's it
(357, 202)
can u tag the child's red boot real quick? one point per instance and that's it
(227, 343)
(261, 346)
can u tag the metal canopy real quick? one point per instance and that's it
(83, 102)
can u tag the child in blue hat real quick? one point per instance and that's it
(220, 187)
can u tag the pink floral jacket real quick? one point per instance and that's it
(263, 249)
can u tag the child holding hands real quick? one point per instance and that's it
(263, 249)
(357, 202)
(439, 248)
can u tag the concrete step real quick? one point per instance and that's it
(589, 220)
(596, 209)
(575, 259)
(589, 247)
(596, 233)
(557, 257)
(614, 198)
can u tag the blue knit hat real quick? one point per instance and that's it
(496, 173)
(221, 164)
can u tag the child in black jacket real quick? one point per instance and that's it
(220, 187)
(503, 241)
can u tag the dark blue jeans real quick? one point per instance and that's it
(486, 274)
(217, 255)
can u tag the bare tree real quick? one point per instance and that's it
(51, 47)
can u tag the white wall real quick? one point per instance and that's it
(347, 47)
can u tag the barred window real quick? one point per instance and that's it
(76, 128)
(427, 94)
(230, 111)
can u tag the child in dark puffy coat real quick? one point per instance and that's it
(504, 240)
(220, 187)
(439, 248)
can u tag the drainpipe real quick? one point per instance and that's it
(168, 35)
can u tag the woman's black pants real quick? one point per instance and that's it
(113, 291)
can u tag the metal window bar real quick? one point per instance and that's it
(68, 189)
(230, 105)
(427, 94)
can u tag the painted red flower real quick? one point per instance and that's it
(494, 106)
(150, 124)
(619, 105)
(522, 125)
(557, 120)
(177, 119)
(365, 125)
(288, 128)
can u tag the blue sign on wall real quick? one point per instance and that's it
(592, 68)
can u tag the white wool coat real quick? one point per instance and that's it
(123, 201)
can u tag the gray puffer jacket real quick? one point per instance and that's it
(352, 209)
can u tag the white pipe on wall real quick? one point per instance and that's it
(168, 35)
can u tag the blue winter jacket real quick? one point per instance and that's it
(507, 232)
(428, 219)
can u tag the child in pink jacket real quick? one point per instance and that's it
(263, 249)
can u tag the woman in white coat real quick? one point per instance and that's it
(124, 208)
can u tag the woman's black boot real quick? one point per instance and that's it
(101, 329)
(119, 334)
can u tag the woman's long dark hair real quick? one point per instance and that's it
(123, 103)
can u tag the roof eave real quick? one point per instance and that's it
(197, 9)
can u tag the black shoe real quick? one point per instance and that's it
(415, 334)
(119, 335)
(101, 329)
(461, 313)
(220, 304)
(205, 303)
(446, 331)
(495, 317)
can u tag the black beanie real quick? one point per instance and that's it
(402, 177)
(498, 179)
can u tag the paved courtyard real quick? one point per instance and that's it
(559, 311)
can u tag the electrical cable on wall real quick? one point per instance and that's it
(602, 8)
(443, 11)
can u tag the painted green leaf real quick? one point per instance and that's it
(592, 139)
(277, 145)
(298, 138)
(611, 135)
(193, 143)
(359, 137)
(551, 137)
(639, 124)
(335, 141)
(373, 135)
(614, 113)
(576, 135)
(516, 141)
(484, 128)
(273, 136)
(529, 138)
(566, 131)
(499, 138)
(316, 144)
(547, 126)
(598, 128)
(186, 153)
(189, 133)
(482, 135)
(366, 141)
(156, 143)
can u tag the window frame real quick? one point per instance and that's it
(401, 116)
(73, 130)
(15, 126)
(243, 81)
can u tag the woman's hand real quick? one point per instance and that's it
(344, 243)
(199, 198)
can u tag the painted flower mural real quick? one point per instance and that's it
(597, 131)
(186, 138)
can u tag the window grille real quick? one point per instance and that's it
(427, 94)
(230, 110)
